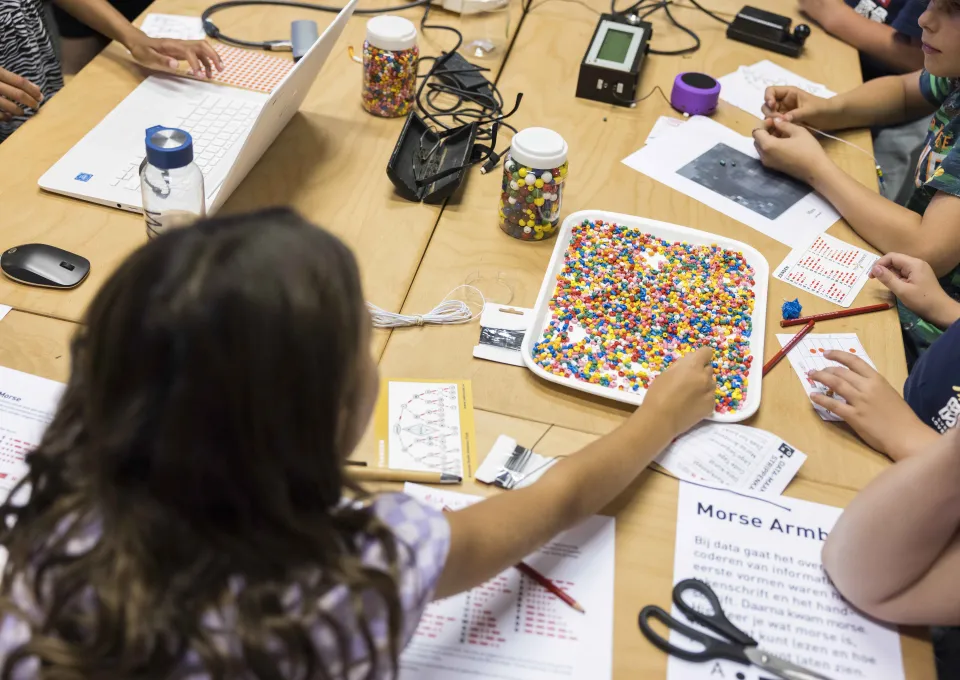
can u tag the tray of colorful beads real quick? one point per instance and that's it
(625, 296)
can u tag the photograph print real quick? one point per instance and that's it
(745, 181)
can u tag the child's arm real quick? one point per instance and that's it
(895, 551)
(101, 16)
(888, 227)
(492, 535)
(880, 41)
(882, 101)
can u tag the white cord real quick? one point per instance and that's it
(446, 313)
(858, 148)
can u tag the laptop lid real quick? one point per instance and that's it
(279, 109)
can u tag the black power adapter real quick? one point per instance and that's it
(768, 30)
(459, 74)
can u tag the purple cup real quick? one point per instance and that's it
(695, 93)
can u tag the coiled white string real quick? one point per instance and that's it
(448, 312)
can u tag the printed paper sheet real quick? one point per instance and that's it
(721, 168)
(27, 405)
(511, 628)
(829, 268)
(734, 456)
(808, 356)
(744, 87)
(762, 558)
(426, 425)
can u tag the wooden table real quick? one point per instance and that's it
(342, 186)
(646, 513)
(467, 243)
(328, 163)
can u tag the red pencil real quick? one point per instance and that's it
(794, 341)
(836, 315)
(525, 568)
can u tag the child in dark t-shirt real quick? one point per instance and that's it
(885, 32)
(903, 427)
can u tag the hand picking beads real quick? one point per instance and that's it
(390, 56)
(627, 305)
(534, 172)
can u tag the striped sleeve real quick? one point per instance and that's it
(933, 88)
(26, 50)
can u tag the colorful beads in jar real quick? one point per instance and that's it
(534, 172)
(390, 56)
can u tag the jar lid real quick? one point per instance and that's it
(169, 148)
(539, 148)
(393, 33)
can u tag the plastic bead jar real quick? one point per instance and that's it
(534, 172)
(390, 57)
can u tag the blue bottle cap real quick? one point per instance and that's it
(169, 148)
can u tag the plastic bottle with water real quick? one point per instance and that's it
(170, 182)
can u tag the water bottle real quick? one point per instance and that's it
(170, 182)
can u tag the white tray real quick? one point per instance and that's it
(673, 232)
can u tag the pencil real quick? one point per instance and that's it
(836, 315)
(525, 568)
(369, 474)
(775, 359)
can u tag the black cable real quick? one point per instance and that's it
(647, 9)
(632, 9)
(634, 102)
(211, 29)
(685, 50)
(481, 105)
(578, 2)
(708, 12)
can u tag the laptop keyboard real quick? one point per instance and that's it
(215, 125)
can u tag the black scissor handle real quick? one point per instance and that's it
(712, 647)
(716, 621)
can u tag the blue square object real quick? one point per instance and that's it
(84, 177)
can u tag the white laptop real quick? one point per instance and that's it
(231, 129)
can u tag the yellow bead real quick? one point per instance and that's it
(538, 201)
(538, 184)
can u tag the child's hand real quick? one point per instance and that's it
(684, 394)
(166, 54)
(17, 93)
(874, 409)
(913, 281)
(795, 106)
(789, 148)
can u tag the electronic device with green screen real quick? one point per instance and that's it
(610, 70)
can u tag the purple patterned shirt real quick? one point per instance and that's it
(423, 537)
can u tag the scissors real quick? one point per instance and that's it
(735, 646)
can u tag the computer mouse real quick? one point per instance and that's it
(37, 264)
